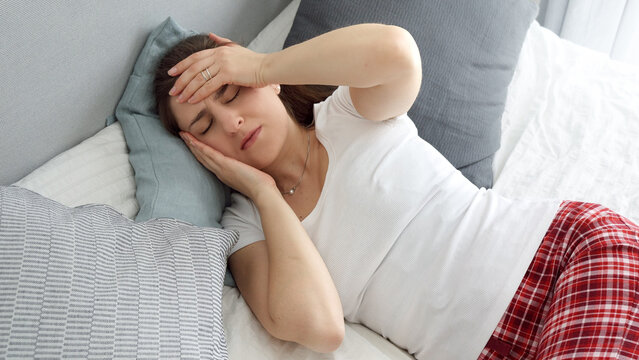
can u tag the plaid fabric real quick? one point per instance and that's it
(579, 298)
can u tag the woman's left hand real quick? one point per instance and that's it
(241, 177)
(228, 63)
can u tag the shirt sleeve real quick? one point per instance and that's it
(341, 102)
(243, 217)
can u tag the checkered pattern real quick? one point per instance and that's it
(579, 298)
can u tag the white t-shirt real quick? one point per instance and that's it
(416, 251)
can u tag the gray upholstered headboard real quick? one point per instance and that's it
(65, 64)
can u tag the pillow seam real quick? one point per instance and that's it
(155, 176)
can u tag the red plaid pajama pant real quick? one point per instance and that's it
(579, 298)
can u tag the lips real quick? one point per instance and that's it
(250, 138)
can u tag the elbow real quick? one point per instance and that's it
(403, 49)
(320, 335)
(336, 338)
(326, 339)
(333, 337)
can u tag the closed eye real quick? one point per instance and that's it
(208, 127)
(211, 119)
(234, 96)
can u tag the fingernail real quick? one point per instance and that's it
(172, 91)
(180, 98)
(192, 100)
(172, 71)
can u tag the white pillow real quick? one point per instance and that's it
(96, 171)
(272, 37)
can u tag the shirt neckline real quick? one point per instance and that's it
(319, 204)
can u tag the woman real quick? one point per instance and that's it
(343, 211)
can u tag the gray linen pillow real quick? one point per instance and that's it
(88, 282)
(469, 51)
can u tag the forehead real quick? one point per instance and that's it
(184, 112)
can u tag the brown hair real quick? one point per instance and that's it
(298, 100)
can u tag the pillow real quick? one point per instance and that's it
(86, 282)
(271, 38)
(170, 181)
(95, 171)
(469, 50)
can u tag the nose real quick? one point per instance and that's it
(231, 122)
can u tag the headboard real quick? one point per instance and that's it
(65, 64)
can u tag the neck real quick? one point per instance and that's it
(289, 166)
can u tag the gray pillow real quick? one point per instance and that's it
(170, 181)
(469, 51)
(88, 282)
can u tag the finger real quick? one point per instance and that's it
(219, 40)
(200, 148)
(202, 153)
(196, 75)
(190, 141)
(193, 72)
(188, 61)
(207, 89)
(206, 152)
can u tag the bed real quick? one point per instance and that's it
(568, 130)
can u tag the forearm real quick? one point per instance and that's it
(301, 294)
(363, 56)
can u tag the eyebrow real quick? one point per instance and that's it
(197, 117)
(220, 91)
(218, 94)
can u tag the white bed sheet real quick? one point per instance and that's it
(569, 131)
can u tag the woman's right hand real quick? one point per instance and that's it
(228, 63)
(239, 176)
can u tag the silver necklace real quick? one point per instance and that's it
(308, 151)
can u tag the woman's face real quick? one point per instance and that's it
(247, 124)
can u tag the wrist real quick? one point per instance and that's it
(260, 71)
(266, 72)
(265, 194)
